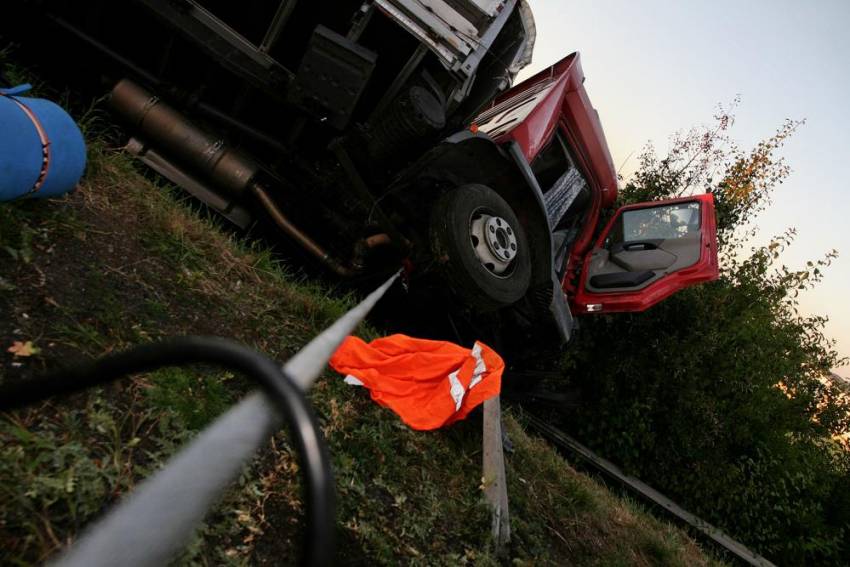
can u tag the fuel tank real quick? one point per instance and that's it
(42, 151)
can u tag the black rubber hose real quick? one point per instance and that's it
(296, 412)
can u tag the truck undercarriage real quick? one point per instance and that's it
(311, 115)
(327, 99)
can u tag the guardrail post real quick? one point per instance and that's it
(494, 479)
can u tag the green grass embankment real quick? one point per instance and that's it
(123, 261)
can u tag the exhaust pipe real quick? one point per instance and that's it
(230, 170)
(296, 234)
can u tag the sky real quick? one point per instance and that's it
(657, 66)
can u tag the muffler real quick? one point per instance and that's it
(173, 135)
(229, 170)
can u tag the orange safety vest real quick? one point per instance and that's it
(429, 384)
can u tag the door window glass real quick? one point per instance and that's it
(551, 163)
(657, 223)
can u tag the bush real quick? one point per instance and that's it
(718, 396)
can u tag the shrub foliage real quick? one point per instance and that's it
(719, 395)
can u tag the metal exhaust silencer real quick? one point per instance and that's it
(173, 136)
(166, 129)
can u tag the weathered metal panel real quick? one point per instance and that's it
(489, 7)
(447, 29)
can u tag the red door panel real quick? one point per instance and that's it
(648, 252)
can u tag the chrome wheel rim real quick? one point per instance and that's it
(494, 242)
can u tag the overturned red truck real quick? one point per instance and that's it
(380, 132)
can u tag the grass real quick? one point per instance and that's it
(124, 261)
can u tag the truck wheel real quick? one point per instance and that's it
(481, 247)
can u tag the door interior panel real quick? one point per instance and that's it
(645, 247)
(635, 260)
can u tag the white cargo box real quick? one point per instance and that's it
(458, 31)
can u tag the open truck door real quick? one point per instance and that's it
(646, 253)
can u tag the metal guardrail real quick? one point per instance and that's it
(612, 471)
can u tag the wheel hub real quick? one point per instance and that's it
(494, 242)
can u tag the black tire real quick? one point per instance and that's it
(474, 284)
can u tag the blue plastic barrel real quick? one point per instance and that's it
(42, 151)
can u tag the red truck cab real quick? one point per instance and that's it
(647, 251)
